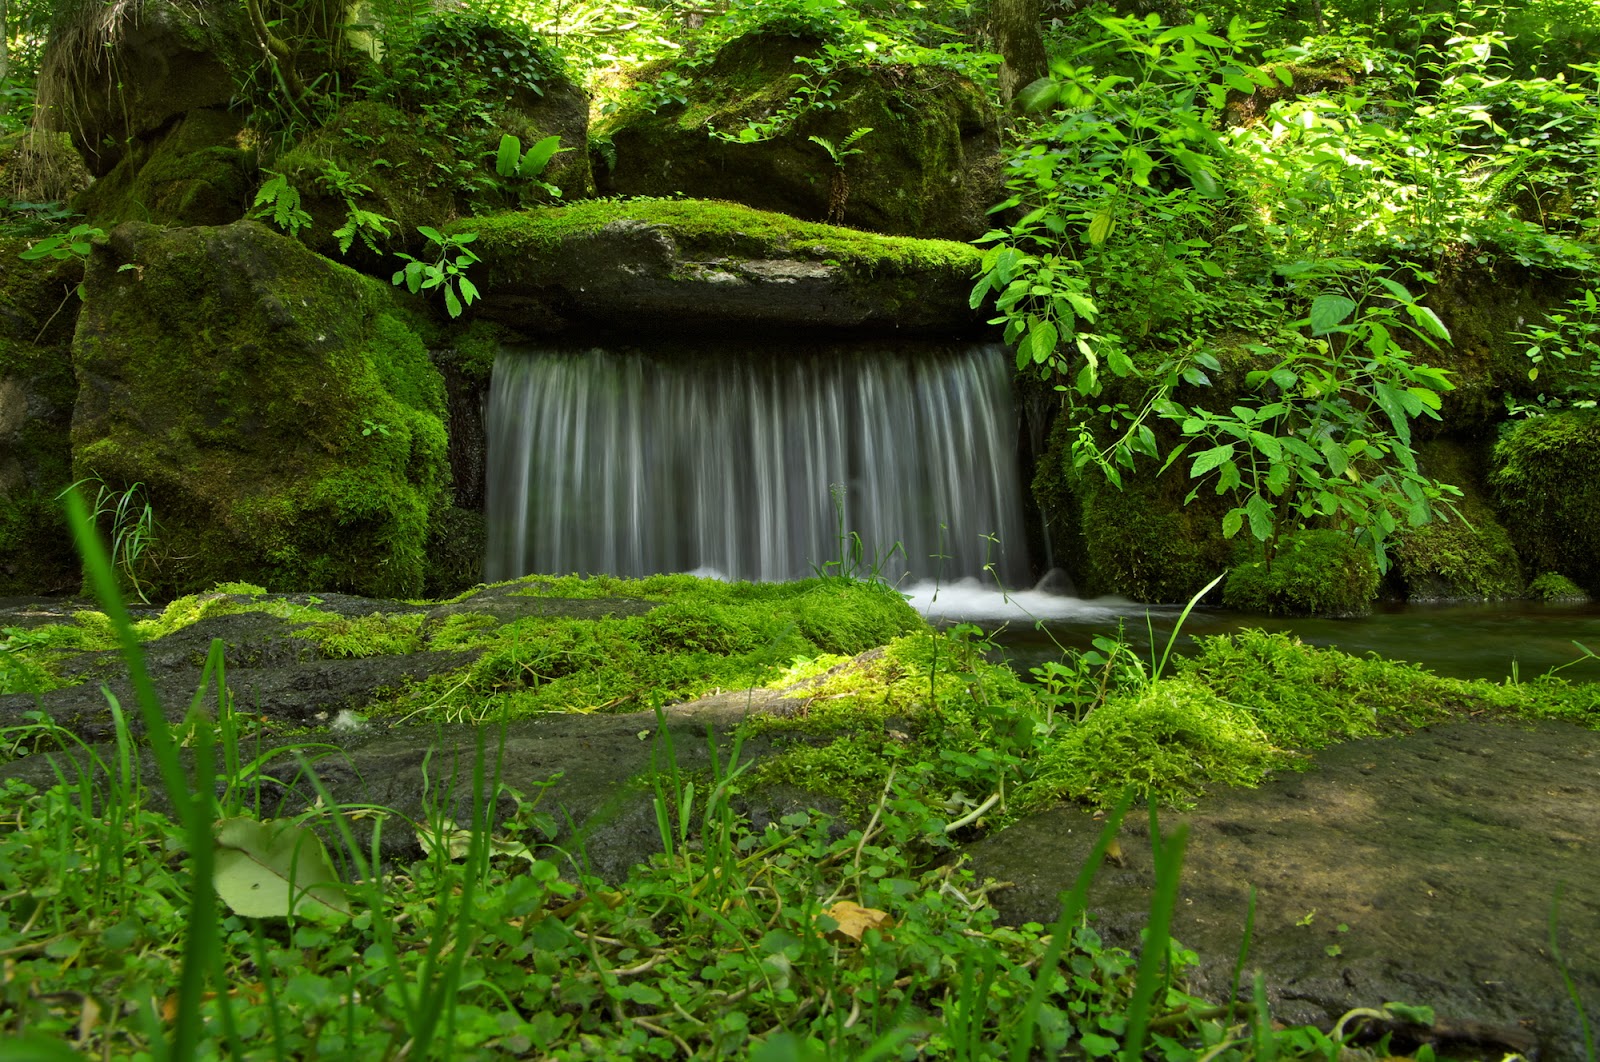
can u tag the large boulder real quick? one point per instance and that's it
(285, 422)
(691, 266)
(194, 172)
(929, 167)
(1546, 478)
(114, 74)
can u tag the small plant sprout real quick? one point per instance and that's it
(448, 270)
(839, 187)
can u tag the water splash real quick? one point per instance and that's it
(632, 464)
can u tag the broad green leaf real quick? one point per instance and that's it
(1259, 510)
(1329, 312)
(1429, 321)
(1267, 444)
(1037, 95)
(1042, 340)
(1100, 228)
(1208, 361)
(505, 160)
(256, 863)
(1119, 363)
(1210, 459)
(451, 303)
(431, 233)
(1232, 522)
(539, 156)
(1397, 289)
(1083, 304)
(980, 291)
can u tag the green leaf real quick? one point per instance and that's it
(1259, 510)
(1210, 459)
(539, 156)
(1042, 340)
(452, 304)
(1037, 95)
(1232, 522)
(1328, 312)
(257, 862)
(505, 160)
(1100, 228)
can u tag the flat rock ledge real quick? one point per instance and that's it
(1420, 869)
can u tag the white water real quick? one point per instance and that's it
(631, 464)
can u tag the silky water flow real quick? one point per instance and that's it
(756, 464)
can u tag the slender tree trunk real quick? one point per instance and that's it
(1015, 26)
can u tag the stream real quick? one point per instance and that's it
(1495, 641)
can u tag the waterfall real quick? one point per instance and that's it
(755, 464)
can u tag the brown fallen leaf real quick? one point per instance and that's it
(854, 920)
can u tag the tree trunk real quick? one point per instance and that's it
(1015, 26)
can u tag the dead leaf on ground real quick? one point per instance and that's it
(854, 920)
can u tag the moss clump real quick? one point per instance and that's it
(1546, 479)
(285, 422)
(1312, 573)
(699, 636)
(1555, 587)
(929, 164)
(344, 637)
(1138, 540)
(705, 229)
(196, 174)
(1466, 557)
(1171, 740)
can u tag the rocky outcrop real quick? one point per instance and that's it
(742, 129)
(686, 265)
(38, 306)
(282, 417)
(118, 74)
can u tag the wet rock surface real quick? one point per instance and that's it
(1441, 852)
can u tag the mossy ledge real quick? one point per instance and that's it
(678, 264)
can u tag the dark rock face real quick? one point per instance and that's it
(284, 420)
(38, 308)
(929, 167)
(119, 79)
(1419, 869)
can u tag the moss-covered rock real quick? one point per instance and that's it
(1465, 557)
(1312, 573)
(38, 308)
(929, 166)
(111, 78)
(1546, 478)
(1138, 540)
(285, 422)
(421, 149)
(1554, 588)
(196, 173)
(695, 265)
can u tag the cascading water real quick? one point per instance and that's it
(749, 463)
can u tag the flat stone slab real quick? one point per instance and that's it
(1419, 869)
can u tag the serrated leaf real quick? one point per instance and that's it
(1209, 459)
(256, 864)
(1259, 510)
(1232, 522)
(1329, 312)
(1042, 339)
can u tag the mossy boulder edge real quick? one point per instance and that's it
(689, 265)
(284, 420)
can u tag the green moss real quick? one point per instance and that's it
(1467, 556)
(1313, 573)
(701, 635)
(1138, 540)
(286, 424)
(1553, 586)
(472, 351)
(1171, 740)
(706, 229)
(197, 174)
(362, 636)
(1546, 479)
